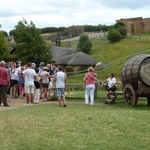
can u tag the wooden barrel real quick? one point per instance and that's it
(136, 69)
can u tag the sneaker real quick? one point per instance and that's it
(64, 105)
(30, 104)
(109, 100)
(26, 105)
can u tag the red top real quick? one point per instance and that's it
(90, 78)
(4, 76)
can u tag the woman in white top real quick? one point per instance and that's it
(111, 84)
(14, 80)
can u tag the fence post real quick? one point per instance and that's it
(95, 92)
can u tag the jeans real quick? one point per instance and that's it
(89, 91)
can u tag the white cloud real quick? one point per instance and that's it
(47, 13)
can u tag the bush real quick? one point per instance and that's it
(69, 69)
(123, 31)
(114, 35)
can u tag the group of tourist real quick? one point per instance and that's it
(34, 83)
(28, 81)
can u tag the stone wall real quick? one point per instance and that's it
(136, 25)
(146, 24)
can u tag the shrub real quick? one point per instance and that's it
(69, 69)
(114, 35)
(123, 31)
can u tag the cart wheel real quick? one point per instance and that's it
(129, 95)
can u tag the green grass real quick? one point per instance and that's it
(78, 126)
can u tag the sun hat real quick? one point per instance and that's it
(45, 68)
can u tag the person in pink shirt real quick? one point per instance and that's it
(89, 80)
(4, 84)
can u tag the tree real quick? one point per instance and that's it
(84, 44)
(114, 35)
(30, 45)
(4, 51)
(5, 33)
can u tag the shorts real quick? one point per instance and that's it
(13, 82)
(111, 89)
(60, 92)
(45, 85)
(29, 89)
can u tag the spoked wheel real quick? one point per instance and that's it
(130, 95)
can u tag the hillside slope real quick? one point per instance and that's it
(114, 55)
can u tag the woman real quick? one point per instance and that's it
(89, 80)
(14, 80)
(45, 81)
(111, 85)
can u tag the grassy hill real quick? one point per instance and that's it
(114, 55)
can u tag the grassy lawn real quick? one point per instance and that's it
(78, 126)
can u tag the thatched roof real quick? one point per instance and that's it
(82, 59)
(64, 60)
(59, 52)
(68, 56)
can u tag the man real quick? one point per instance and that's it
(61, 81)
(4, 84)
(29, 76)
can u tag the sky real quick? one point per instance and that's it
(65, 13)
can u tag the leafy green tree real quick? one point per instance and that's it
(4, 51)
(84, 44)
(30, 45)
(114, 35)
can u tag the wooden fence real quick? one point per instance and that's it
(72, 87)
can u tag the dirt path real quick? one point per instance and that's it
(18, 102)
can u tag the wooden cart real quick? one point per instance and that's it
(135, 76)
